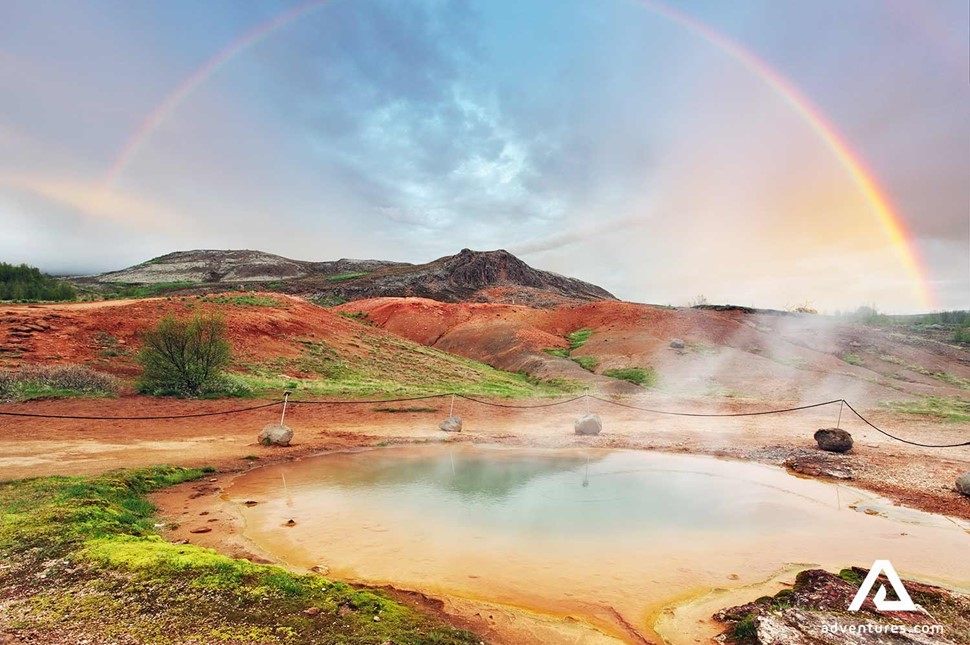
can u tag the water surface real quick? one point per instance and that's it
(592, 534)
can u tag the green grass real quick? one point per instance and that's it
(391, 366)
(247, 300)
(341, 277)
(637, 375)
(947, 409)
(561, 353)
(82, 555)
(853, 359)
(578, 338)
(328, 301)
(152, 290)
(588, 363)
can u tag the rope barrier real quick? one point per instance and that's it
(147, 418)
(912, 443)
(726, 414)
(370, 401)
(586, 397)
(519, 407)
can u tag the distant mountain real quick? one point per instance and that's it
(492, 276)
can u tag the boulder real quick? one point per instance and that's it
(589, 424)
(833, 440)
(275, 434)
(963, 483)
(677, 343)
(451, 424)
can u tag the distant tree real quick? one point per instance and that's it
(698, 301)
(184, 356)
(28, 283)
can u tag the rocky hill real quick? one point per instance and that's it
(481, 276)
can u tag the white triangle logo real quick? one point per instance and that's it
(905, 603)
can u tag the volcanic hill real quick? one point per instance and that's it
(476, 276)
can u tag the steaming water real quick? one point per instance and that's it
(581, 533)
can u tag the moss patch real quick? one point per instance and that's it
(81, 557)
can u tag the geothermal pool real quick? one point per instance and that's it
(622, 542)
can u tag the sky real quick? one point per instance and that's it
(756, 152)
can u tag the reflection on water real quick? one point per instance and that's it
(535, 492)
(594, 534)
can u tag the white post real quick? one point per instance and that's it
(286, 397)
(452, 412)
(587, 400)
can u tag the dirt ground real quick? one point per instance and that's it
(921, 478)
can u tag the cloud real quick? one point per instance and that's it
(89, 200)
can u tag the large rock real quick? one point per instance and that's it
(677, 343)
(833, 440)
(963, 483)
(276, 434)
(589, 424)
(451, 424)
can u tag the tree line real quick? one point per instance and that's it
(29, 283)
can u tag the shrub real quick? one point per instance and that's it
(853, 359)
(184, 356)
(55, 380)
(8, 386)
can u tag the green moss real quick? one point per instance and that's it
(853, 359)
(850, 576)
(106, 572)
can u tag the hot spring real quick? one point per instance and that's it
(623, 542)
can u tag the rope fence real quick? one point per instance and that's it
(477, 401)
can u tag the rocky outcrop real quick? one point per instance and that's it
(276, 434)
(451, 424)
(833, 440)
(963, 483)
(589, 424)
(818, 598)
(819, 464)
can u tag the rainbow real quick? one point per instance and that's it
(891, 220)
(164, 109)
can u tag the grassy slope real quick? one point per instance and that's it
(394, 366)
(79, 556)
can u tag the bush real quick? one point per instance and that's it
(8, 386)
(184, 356)
(55, 380)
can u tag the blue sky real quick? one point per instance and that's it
(599, 139)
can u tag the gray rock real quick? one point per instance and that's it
(451, 424)
(677, 343)
(963, 483)
(589, 424)
(833, 440)
(276, 434)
